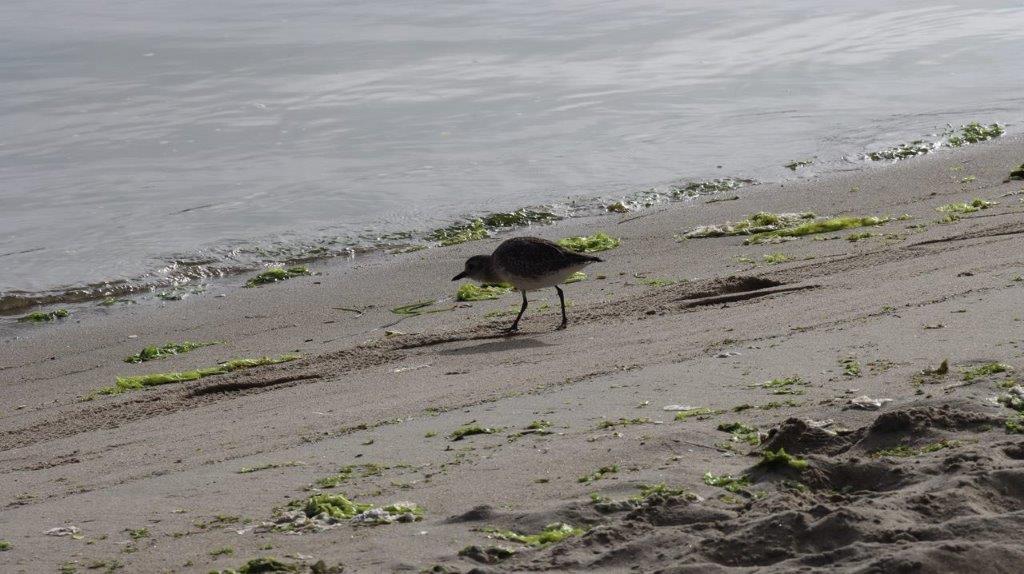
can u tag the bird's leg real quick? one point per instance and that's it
(561, 297)
(515, 324)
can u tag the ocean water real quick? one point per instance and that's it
(144, 142)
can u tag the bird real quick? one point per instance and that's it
(528, 264)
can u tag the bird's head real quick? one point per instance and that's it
(479, 268)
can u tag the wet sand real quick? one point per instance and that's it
(383, 393)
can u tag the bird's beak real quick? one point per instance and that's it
(459, 276)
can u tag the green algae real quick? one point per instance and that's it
(757, 223)
(226, 551)
(709, 187)
(618, 207)
(904, 451)
(334, 505)
(780, 458)
(347, 472)
(784, 386)
(470, 430)
(125, 384)
(414, 511)
(44, 316)
(154, 352)
(540, 426)
(551, 534)
(599, 474)
(700, 413)
(1015, 426)
(111, 301)
(662, 490)
(657, 282)
(576, 277)
(814, 227)
(986, 370)
(774, 258)
(973, 133)
(902, 151)
(851, 367)
(471, 292)
(741, 432)
(277, 274)
(1017, 173)
(968, 179)
(734, 484)
(967, 134)
(966, 207)
(589, 244)
(5, 546)
(622, 422)
(519, 218)
(795, 165)
(854, 237)
(460, 233)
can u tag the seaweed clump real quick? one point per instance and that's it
(460, 233)
(44, 316)
(471, 292)
(551, 534)
(966, 207)
(708, 187)
(519, 218)
(784, 386)
(154, 352)
(741, 432)
(599, 474)
(814, 227)
(902, 151)
(700, 413)
(985, 370)
(733, 484)
(757, 223)
(904, 451)
(975, 132)
(588, 244)
(470, 430)
(782, 458)
(795, 165)
(1018, 173)
(333, 505)
(278, 274)
(125, 384)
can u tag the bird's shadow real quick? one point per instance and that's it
(506, 344)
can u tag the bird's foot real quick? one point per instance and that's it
(512, 330)
(562, 326)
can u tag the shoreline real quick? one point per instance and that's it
(200, 276)
(715, 322)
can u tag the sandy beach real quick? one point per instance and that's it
(571, 426)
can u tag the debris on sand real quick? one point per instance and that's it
(867, 403)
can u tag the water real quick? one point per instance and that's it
(141, 140)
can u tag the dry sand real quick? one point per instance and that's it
(168, 459)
